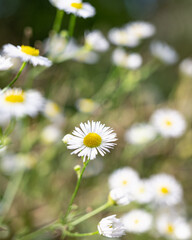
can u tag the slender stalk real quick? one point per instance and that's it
(10, 193)
(15, 78)
(94, 212)
(72, 25)
(81, 234)
(58, 20)
(75, 191)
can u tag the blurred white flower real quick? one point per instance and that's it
(5, 63)
(168, 122)
(137, 221)
(111, 227)
(18, 103)
(60, 4)
(164, 52)
(121, 37)
(79, 8)
(66, 138)
(53, 112)
(186, 67)
(127, 60)
(173, 226)
(141, 29)
(51, 134)
(140, 133)
(26, 54)
(123, 177)
(142, 191)
(90, 139)
(96, 41)
(86, 105)
(166, 189)
(121, 196)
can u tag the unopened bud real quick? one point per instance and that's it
(66, 138)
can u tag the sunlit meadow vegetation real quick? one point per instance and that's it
(95, 120)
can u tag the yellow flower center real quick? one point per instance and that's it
(30, 50)
(14, 96)
(136, 221)
(77, 5)
(170, 228)
(124, 182)
(168, 123)
(142, 190)
(92, 140)
(164, 190)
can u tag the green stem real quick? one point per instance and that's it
(94, 212)
(15, 78)
(10, 127)
(72, 25)
(75, 191)
(58, 20)
(81, 234)
(10, 193)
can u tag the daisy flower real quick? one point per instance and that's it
(51, 134)
(26, 54)
(172, 226)
(86, 105)
(123, 177)
(5, 63)
(96, 41)
(137, 221)
(111, 227)
(186, 67)
(18, 103)
(127, 60)
(164, 52)
(53, 112)
(90, 139)
(79, 8)
(141, 29)
(168, 122)
(60, 4)
(121, 37)
(166, 189)
(120, 196)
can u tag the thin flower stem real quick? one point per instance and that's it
(72, 25)
(58, 20)
(75, 191)
(81, 234)
(15, 78)
(9, 194)
(94, 212)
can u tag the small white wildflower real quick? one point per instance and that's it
(186, 67)
(120, 196)
(86, 105)
(51, 134)
(169, 123)
(140, 133)
(26, 54)
(96, 41)
(164, 52)
(137, 221)
(166, 189)
(66, 138)
(111, 227)
(5, 63)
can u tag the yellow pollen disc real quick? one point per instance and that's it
(77, 5)
(170, 228)
(136, 221)
(30, 50)
(168, 123)
(92, 140)
(124, 182)
(141, 190)
(164, 190)
(15, 97)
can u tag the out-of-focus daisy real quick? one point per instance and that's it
(86, 105)
(137, 221)
(86, 56)
(66, 138)
(120, 196)
(142, 192)
(79, 8)
(18, 103)
(111, 227)
(90, 139)
(60, 4)
(186, 67)
(5, 63)
(140, 133)
(168, 122)
(141, 29)
(172, 226)
(123, 177)
(53, 112)
(127, 60)
(166, 189)
(96, 41)
(164, 52)
(51, 134)
(120, 37)
(26, 54)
